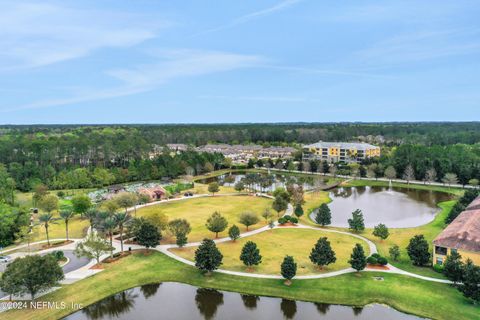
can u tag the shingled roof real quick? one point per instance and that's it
(474, 205)
(463, 233)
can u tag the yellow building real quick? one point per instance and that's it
(462, 235)
(340, 151)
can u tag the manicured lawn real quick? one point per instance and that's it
(275, 244)
(77, 228)
(197, 211)
(427, 299)
(313, 200)
(200, 188)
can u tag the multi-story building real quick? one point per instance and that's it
(242, 153)
(462, 235)
(340, 151)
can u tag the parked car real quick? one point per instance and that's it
(5, 259)
(188, 194)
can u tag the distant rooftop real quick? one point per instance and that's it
(341, 145)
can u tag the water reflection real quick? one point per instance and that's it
(175, 301)
(208, 301)
(395, 207)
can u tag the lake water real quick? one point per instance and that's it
(395, 207)
(272, 181)
(179, 301)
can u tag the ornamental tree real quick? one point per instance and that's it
(417, 250)
(234, 232)
(81, 203)
(250, 254)
(322, 253)
(207, 256)
(381, 231)
(148, 235)
(216, 223)
(356, 223)
(394, 252)
(471, 281)
(298, 210)
(279, 205)
(213, 188)
(453, 267)
(248, 219)
(358, 260)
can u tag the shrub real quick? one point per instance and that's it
(438, 268)
(58, 255)
(61, 194)
(382, 260)
(293, 220)
(282, 220)
(372, 260)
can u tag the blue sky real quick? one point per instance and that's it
(147, 61)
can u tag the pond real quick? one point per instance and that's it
(395, 207)
(269, 182)
(180, 301)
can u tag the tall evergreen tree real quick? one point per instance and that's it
(288, 269)
(234, 232)
(324, 215)
(453, 267)
(207, 256)
(322, 253)
(471, 281)
(250, 254)
(381, 231)
(358, 260)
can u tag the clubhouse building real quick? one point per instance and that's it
(462, 235)
(340, 151)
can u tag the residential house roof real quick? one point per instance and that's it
(462, 233)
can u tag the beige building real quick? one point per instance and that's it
(462, 235)
(340, 151)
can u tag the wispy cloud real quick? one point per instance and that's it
(282, 5)
(39, 34)
(422, 45)
(170, 65)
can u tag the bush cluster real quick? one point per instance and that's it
(377, 259)
(286, 219)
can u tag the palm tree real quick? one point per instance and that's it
(122, 219)
(66, 215)
(91, 215)
(46, 219)
(109, 224)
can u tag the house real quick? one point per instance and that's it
(462, 235)
(340, 151)
(155, 193)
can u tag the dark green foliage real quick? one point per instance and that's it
(356, 223)
(286, 219)
(250, 254)
(234, 232)
(418, 250)
(377, 259)
(207, 256)
(453, 267)
(58, 255)
(324, 215)
(462, 203)
(148, 235)
(213, 187)
(358, 260)
(322, 253)
(298, 210)
(31, 274)
(248, 219)
(11, 220)
(381, 231)
(279, 204)
(471, 281)
(288, 268)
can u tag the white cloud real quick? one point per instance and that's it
(172, 64)
(282, 5)
(39, 34)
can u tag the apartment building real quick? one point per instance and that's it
(340, 151)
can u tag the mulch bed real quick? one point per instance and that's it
(287, 224)
(56, 244)
(377, 267)
(116, 258)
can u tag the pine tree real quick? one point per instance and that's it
(356, 223)
(322, 253)
(324, 215)
(358, 260)
(418, 250)
(453, 267)
(250, 254)
(207, 256)
(234, 232)
(288, 269)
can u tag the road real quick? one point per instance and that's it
(74, 263)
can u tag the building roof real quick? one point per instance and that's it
(463, 233)
(342, 145)
(474, 205)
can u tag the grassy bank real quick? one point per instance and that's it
(275, 244)
(427, 299)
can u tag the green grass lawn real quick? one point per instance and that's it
(275, 244)
(427, 299)
(197, 211)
